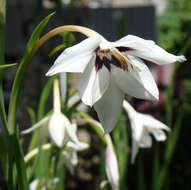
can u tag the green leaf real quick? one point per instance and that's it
(43, 163)
(6, 66)
(2, 61)
(32, 115)
(170, 148)
(61, 176)
(44, 96)
(3, 119)
(3, 152)
(19, 160)
(57, 49)
(141, 177)
(41, 108)
(71, 109)
(120, 141)
(2, 11)
(156, 167)
(68, 38)
(22, 71)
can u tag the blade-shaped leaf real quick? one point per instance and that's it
(57, 49)
(21, 72)
(41, 108)
(120, 141)
(17, 153)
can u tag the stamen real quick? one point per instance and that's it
(129, 62)
(121, 59)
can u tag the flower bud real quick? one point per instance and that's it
(56, 126)
(112, 169)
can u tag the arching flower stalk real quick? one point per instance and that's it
(142, 125)
(109, 70)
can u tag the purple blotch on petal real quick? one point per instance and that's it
(124, 49)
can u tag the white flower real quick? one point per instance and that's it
(70, 157)
(142, 126)
(108, 70)
(112, 169)
(34, 185)
(60, 129)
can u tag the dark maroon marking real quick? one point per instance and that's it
(106, 62)
(115, 62)
(123, 49)
(100, 62)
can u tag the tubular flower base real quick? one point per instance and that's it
(142, 126)
(112, 169)
(109, 70)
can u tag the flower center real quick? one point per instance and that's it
(106, 58)
(104, 53)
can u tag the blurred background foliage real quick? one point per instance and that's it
(166, 165)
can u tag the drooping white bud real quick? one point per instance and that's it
(57, 127)
(111, 167)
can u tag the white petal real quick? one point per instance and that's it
(148, 50)
(159, 134)
(135, 150)
(112, 170)
(34, 184)
(77, 145)
(70, 159)
(137, 128)
(92, 85)
(109, 106)
(42, 122)
(152, 123)
(74, 158)
(71, 133)
(56, 128)
(74, 142)
(136, 82)
(146, 140)
(75, 58)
